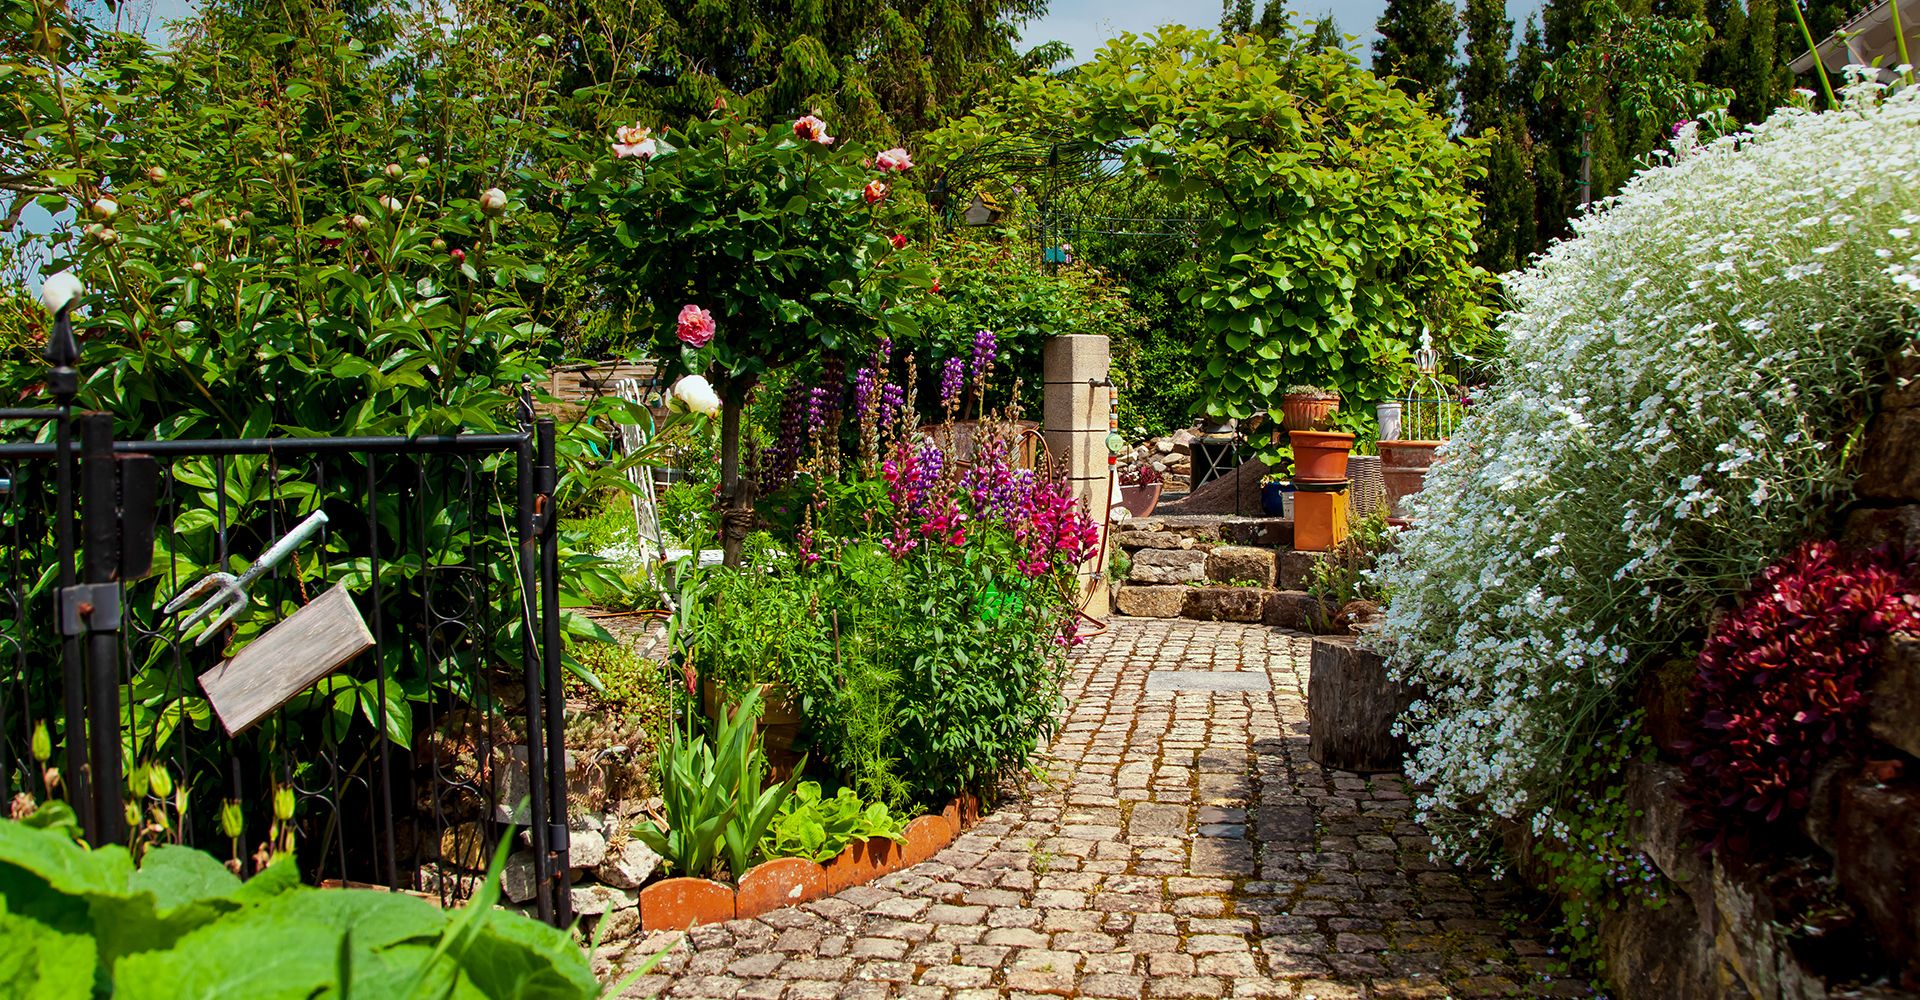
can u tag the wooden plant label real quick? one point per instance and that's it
(289, 657)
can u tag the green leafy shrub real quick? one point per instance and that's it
(83, 922)
(818, 829)
(1347, 573)
(717, 802)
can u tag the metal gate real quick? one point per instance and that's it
(402, 768)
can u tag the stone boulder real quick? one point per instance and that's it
(1150, 602)
(1224, 604)
(628, 865)
(1169, 566)
(1236, 563)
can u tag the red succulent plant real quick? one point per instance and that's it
(1782, 683)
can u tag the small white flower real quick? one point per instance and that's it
(59, 291)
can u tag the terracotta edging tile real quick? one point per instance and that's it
(926, 837)
(780, 882)
(676, 904)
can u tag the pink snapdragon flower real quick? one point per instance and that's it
(633, 140)
(696, 326)
(894, 161)
(812, 129)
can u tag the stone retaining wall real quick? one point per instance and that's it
(1727, 931)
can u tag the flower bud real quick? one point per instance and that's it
(184, 203)
(159, 782)
(107, 236)
(392, 204)
(233, 820)
(493, 201)
(286, 158)
(357, 223)
(42, 741)
(105, 208)
(157, 174)
(395, 171)
(422, 162)
(225, 225)
(283, 803)
(198, 268)
(439, 245)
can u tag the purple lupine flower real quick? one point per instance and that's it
(951, 376)
(985, 348)
(817, 407)
(863, 398)
(893, 402)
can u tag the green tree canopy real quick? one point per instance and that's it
(1340, 223)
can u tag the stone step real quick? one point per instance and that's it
(1289, 609)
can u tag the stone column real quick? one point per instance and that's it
(1075, 423)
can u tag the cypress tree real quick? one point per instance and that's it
(1416, 45)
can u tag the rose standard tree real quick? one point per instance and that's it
(741, 250)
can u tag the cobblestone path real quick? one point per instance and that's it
(1183, 845)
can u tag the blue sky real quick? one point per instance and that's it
(1087, 24)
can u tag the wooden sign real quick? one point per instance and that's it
(310, 644)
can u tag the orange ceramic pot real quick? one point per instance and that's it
(1319, 456)
(1300, 411)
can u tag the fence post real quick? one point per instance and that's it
(63, 383)
(97, 606)
(532, 673)
(546, 479)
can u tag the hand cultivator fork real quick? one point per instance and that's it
(230, 592)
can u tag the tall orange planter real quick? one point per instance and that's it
(1319, 456)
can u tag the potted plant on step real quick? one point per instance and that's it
(1140, 487)
(1306, 408)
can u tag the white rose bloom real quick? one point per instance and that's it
(697, 395)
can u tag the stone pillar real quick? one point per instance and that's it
(1075, 424)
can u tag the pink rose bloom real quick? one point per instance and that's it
(874, 192)
(696, 326)
(812, 129)
(632, 140)
(894, 160)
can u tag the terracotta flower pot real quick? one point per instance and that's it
(1408, 454)
(1404, 466)
(1301, 411)
(1319, 456)
(1140, 499)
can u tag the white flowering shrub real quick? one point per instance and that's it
(1681, 384)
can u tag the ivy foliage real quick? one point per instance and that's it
(1339, 224)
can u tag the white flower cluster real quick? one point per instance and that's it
(1669, 419)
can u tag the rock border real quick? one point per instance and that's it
(676, 904)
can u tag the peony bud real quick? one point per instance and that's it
(392, 204)
(107, 236)
(438, 244)
(157, 174)
(459, 256)
(395, 171)
(225, 225)
(493, 201)
(105, 208)
(184, 203)
(198, 268)
(422, 162)
(56, 293)
(357, 223)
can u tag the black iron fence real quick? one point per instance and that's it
(403, 766)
